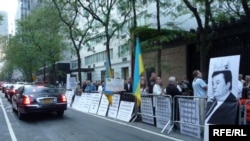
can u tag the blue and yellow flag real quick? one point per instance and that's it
(138, 70)
(108, 74)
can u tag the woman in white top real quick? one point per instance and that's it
(157, 89)
(100, 87)
(144, 86)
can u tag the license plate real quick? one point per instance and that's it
(47, 101)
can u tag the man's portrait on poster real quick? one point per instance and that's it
(221, 101)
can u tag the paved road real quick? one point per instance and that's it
(76, 126)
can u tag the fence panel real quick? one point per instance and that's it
(189, 114)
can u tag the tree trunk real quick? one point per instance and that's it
(79, 64)
(133, 38)
(159, 34)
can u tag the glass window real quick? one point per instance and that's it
(74, 64)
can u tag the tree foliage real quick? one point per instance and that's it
(102, 12)
(38, 41)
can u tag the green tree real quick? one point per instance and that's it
(102, 12)
(79, 26)
(48, 38)
(136, 5)
(38, 41)
(203, 28)
(19, 54)
(165, 4)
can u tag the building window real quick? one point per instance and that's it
(89, 76)
(125, 73)
(97, 57)
(103, 75)
(74, 64)
(123, 50)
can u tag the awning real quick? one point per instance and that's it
(83, 70)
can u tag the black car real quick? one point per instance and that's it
(37, 99)
(12, 89)
(6, 89)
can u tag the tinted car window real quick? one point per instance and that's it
(40, 89)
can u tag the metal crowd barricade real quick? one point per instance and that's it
(245, 111)
(243, 103)
(156, 110)
(138, 108)
(245, 92)
(189, 119)
(125, 96)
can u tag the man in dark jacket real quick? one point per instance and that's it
(128, 86)
(172, 90)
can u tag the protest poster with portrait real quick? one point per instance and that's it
(222, 91)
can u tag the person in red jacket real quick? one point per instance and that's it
(247, 106)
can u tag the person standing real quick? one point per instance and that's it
(240, 88)
(144, 86)
(200, 93)
(101, 86)
(129, 85)
(172, 90)
(151, 82)
(157, 89)
(89, 87)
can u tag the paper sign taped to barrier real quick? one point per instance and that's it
(147, 110)
(125, 110)
(163, 111)
(189, 114)
(113, 109)
(103, 108)
(94, 103)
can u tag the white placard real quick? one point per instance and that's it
(96, 97)
(114, 85)
(71, 82)
(147, 110)
(162, 111)
(189, 114)
(125, 110)
(68, 81)
(103, 107)
(113, 109)
(75, 104)
(223, 91)
(84, 102)
(69, 96)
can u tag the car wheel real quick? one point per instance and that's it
(59, 113)
(19, 114)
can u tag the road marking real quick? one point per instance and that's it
(12, 134)
(118, 122)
